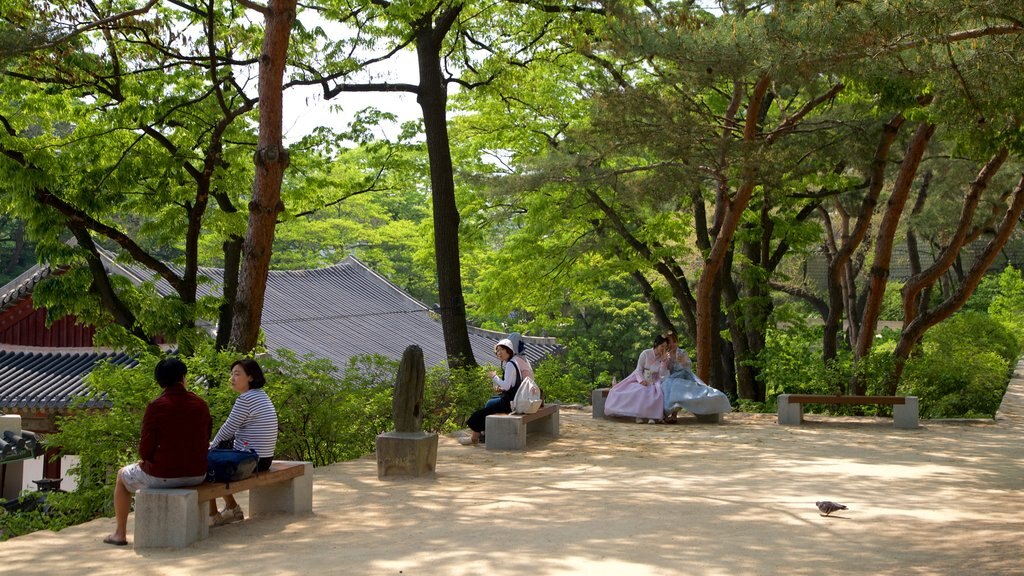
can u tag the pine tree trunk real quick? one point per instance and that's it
(271, 160)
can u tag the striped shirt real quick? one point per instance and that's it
(253, 420)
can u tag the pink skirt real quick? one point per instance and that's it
(631, 398)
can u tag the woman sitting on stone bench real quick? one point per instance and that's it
(251, 424)
(515, 368)
(683, 389)
(639, 394)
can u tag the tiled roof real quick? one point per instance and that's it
(49, 378)
(21, 286)
(348, 310)
(336, 313)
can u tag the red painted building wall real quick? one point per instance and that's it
(23, 325)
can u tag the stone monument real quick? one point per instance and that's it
(407, 451)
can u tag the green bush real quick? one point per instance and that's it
(568, 377)
(1007, 306)
(784, 364)
(452, 395)
(962, 367)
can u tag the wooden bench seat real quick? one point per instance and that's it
(508, 431)
(177, 517)
(905, 408)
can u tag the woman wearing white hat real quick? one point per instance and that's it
(515, 368)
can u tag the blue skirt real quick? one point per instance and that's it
(682, 389)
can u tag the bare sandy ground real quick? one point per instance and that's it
(620, 498)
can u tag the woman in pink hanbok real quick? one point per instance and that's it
(639, 394)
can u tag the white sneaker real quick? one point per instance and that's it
(639, 420)
(652, 421)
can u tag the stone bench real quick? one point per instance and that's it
(508, 431)
(904, 408)
(177, 517)
(599, 395)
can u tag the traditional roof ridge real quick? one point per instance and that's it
(19, 288)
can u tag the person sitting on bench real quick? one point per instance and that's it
(515, 368)
(251, 424)
(175, 434)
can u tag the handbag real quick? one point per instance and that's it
(230, 465)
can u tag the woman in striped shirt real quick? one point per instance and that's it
(251, 424)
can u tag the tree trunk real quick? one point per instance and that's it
(271, 160)
(433, 101)
(918, 284)
(840, 261)
(885, 240)
(732, 212)
(232, 260)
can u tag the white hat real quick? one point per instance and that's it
(507, 344)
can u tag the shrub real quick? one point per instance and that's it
(569, 377)
(962, 367)
(1007, 306)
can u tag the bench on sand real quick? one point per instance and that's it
(904, 408)
(599, 395)
(177, 517)
(508, 431)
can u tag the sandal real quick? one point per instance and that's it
(114, 542)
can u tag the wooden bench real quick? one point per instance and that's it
(177, 517)
(904, 408)
(599, 395)
(508, 431)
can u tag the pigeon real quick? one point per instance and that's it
(828, 507)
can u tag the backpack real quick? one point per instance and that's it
(528, 397)
(229, 465)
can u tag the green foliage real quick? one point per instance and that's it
(784, 363)
(452, 395)
(892, 302)
(324, 418)
(569, 377)
(1007, 305)
(983, 295)
(962, 368)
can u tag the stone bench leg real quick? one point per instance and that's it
(597, 398)
(168, 518)
(505, 433)
(905, 415)
(789, 413)
(709, 418)
(546, 425)
(292, 497)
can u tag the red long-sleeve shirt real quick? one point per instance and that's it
(175, 434)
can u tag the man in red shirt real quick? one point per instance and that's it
(175, 438)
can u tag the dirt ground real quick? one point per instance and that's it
(619, 498)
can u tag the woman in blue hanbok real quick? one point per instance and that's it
(683, 389)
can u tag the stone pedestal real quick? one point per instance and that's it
(597, 399)
(406, 454)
